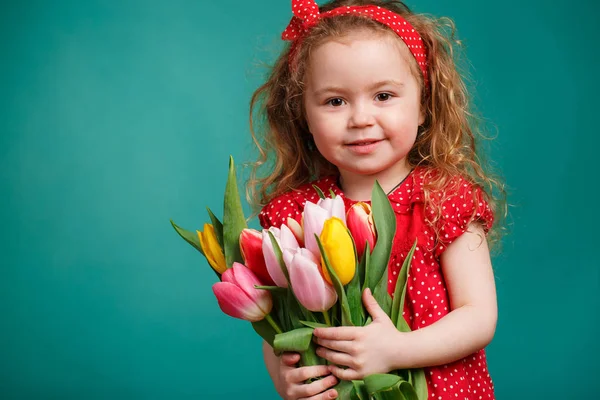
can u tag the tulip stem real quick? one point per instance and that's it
(327, 319)
(273, 323)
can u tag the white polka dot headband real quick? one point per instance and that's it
(307, 15)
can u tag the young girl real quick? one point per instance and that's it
(369, 91)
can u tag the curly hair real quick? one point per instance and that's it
(447, 140)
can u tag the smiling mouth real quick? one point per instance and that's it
(363, 142)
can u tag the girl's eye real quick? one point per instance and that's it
(384, 96)
(335, 102)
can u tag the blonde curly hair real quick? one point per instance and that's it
(447, 140)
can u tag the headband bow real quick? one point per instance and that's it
(307, 15)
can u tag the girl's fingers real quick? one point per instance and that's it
(335, 357)
(318, 388)
(299, 375)
(345, 346)
(330, 394)
(290, 359)
(337, 333)
(344, 374)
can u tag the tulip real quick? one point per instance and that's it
(315, 216)
(286, 240)
(211, 248)
(308, 284)
(297, 230)
(335, 207)
(237, 296)
(338, 246)
(251, 249)
(360, 223)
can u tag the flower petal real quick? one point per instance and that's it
(245, 280)
(309, 287)
(271, 260)
(314, 218)
(235, 303)
(251, 249)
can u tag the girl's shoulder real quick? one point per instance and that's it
(452, 205)
(291, 203)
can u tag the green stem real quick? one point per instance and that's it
(273, 323)
(327, 319)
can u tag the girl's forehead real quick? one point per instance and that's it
(360, 48)
(396, 44)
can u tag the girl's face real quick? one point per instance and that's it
(362, 104)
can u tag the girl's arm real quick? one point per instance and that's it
(271, 362)
(471, 324)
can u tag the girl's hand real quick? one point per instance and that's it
(364, 350)
(292, 386)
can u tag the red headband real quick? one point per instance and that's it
(307, 15)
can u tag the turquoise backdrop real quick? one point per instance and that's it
(116, 116)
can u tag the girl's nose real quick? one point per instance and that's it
(362, 116)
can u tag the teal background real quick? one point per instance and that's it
(117, 116)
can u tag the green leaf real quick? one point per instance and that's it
(265, 330)
(309, 356)
(408, 391)
(314, 325)
(337, 285)
(331, 193)
(385, 226)
(382, 296)
(217, 225)
(361, 390)
(280, 300)
(271, 288)
(402, 324)
(344, 389)
(191, 238)
(233, 219)
(380, 382)
(391, 394)
(400, 289)
(319, 191)
(296, 340)
(419, 383)
(354, 294)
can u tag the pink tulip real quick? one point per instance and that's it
(286, 240)
(335, 207)
(315, 216)
(251, 249)
(237, 296)
(361, 226)
(308, 284)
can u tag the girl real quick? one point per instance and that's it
(369, 91)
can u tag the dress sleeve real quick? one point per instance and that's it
(465, 204)
(277, 211)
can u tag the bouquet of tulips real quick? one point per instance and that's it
(291, 279)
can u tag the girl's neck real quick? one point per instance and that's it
(358, 187)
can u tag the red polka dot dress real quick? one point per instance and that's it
(427, 298)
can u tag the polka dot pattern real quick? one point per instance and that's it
(307, 15)
(427, 297)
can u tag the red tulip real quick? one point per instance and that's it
(251, 249)
(359, 220)
(238, 297)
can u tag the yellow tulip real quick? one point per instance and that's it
(211, 248)
(337, 244)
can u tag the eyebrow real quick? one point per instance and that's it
(374, 86)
